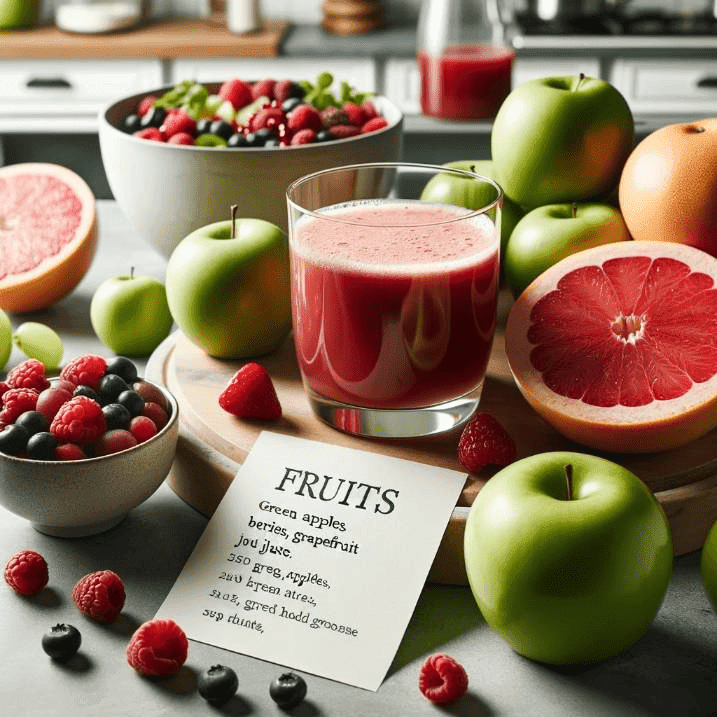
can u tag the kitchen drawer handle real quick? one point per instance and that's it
(49, 83)
(707, 82)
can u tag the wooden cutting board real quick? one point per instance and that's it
(213, 444)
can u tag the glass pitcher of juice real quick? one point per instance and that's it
(464, 63)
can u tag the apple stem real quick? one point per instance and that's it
(575, 210)
(131, 273)
(581, 77)
(234, 219)
(569, 481)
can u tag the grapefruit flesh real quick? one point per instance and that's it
(48, 234)
(616, 347)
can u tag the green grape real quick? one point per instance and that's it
(40, 342)
(5, 339)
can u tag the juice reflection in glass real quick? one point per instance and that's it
(393, 298)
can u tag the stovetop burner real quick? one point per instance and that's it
(645, 23)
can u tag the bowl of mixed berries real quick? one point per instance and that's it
(180, 157)
(80, 450)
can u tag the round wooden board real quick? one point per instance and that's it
(213, 444)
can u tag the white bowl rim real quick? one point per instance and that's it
(380, 99)
(173, 417)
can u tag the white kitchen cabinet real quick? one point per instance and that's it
(65, 96)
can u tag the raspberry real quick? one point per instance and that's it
(251, 394)
(3, 389)
(150, 133)
(176, 122)
(114, 441)
(157, 647)
(304, 117)
(145, 105)
(370, 109)
(142, 428)
(373, 125)
(100, 595)
(355, 114)
(270, 117)
(303, 136)
(156, 413)
(284, 89)
(50, 400)
(26, 572)
(181, 138)
(237, 92)
(342, 131)
(263, 88)
(85, 370)
(332, 116)
(80, 420)
(484, 442)
(15, 402)
(28, 374)
(69, 452)
(442, 679)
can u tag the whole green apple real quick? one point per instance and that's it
(5, 339)
(550, 233)
(708, 565)
(228, 287)
(568, 556)
(130, 314)
(561, 139)
(461, 191)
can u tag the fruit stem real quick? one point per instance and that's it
(131, 273)
(575, 210)
(569, 481)
(234, 220)
(581, 77)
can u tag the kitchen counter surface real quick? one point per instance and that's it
(671, 671)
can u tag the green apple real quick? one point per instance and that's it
(228, 287)
(5, 339)
(550, 233)
(708, 565)
(130, 314)
(561, 139)
(568, 556)
(461, 191)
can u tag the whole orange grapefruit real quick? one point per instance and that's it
(668, 186)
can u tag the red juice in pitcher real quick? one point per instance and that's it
(465, 81)
(394, 306)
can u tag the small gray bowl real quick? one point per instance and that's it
(72, 499)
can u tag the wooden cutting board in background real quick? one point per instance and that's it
(213, 444)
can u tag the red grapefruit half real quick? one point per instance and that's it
(48, 234)
(616, 346)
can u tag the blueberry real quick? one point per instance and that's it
(111, 385)
(218, 684)
(221, 129)
(237, 140)
(131, 124)
(273, 142)
(264, 133)
(288, 690)
(203, 125)
(253, 140)
(153, 118)
(324, 136)
(13, 440)
(61, 642)
(33, 422)
(123, 367)
(297, 90)
(290, 104)
(116, 416)
(87, 391)
(41, 446)
(132, 401)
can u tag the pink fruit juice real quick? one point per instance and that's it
(394, 305)
(465, 81)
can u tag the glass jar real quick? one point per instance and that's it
(465, 65)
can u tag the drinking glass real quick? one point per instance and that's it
(394, 289)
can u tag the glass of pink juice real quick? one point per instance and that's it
(393, 296)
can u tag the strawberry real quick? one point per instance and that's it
(263, 88)
(370, 109)
(237, 92)
(332, 116)
(284, 89)
(355, 114)
(304, 117)
(251, 394)
(303, 136)
(145, 105)
(181, 138)
(342, 131)
(176, 122)
(485, 442)
(269, 117)
(151, 133)
(373, 125)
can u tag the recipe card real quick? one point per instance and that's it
(315, 558)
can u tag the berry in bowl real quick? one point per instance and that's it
(79, 451)
(178, 158)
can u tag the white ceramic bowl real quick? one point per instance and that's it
(73, 499)
(167, 191)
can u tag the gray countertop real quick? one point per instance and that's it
(670, 672)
